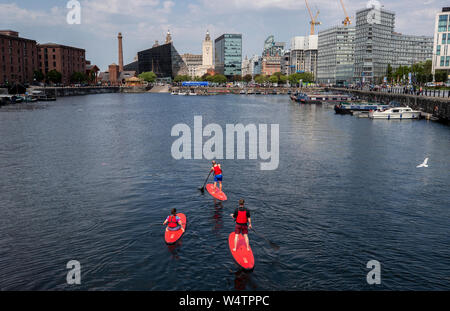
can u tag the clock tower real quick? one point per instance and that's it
(207, 51)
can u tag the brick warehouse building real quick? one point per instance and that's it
(64, 59)
(18, 58)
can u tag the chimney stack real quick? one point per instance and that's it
(120, 53)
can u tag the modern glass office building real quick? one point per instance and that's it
(163, 60)
(336, 55)
(441, 46)
(228, 54)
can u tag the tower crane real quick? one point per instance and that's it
(347, 20)
(313, 21)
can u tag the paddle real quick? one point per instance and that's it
(275, 246)
(202, 189)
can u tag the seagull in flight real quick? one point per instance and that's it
(424, 164)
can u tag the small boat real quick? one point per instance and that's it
(9, 100)
(182, 93)
(349, 108)
(40, 96)
(27, 99)
(399, 113)
(174, 93)
(304, 98)
(192, 94)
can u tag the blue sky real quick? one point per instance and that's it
(144, 21)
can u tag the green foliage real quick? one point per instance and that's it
(54, 76)
(282, 79)
(182, 78)
(220, 79)
(440, 76)
(247, 78)
(148, 76)
(306, 77)
(273, 79)
(38, 75)
(78, 77)
(261, 79)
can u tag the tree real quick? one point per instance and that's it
(38, 75)
(307, 77)
(78, 77)
(220, 79)
(148, 76)
(182, 78)
(247, 78)
(261, 79)
(440, 76)
(273, 79)
(54, 76)
(282, 79)
(294, 78)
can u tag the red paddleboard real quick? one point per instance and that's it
(172, 236)
(242, 256)
(219, 195)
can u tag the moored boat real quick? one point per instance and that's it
(350, 108)
(304, 98)
(399, 113)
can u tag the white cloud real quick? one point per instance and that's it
(12, 14)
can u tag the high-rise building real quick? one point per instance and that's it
(336, 52)
(303, 55)
(64, 59)
(377, 45)
(18, 58)
(228, 54)
(441, 45)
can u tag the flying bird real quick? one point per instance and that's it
(424, 164)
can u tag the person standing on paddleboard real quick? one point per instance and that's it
(243, 222)
(217, 174)
(174, 222)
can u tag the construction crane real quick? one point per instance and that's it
(347, 20)
(313, 21)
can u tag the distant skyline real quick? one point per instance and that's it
(141, 22)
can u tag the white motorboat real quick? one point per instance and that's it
(182, 93)
(174, 93)
(395, 113)
(192, 94)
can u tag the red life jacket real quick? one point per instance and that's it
(217, 170)
(241, 217)
(173, 222)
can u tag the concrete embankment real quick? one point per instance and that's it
(438, 107)
(77, 91)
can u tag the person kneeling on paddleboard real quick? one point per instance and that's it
(243, 222)
(217, 174)
(174, 221)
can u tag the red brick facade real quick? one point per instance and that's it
(18, 58)
(64, 59)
